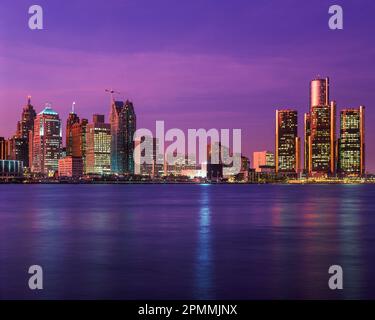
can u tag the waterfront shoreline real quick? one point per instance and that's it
(186, 182)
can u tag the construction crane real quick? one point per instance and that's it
(111, 92)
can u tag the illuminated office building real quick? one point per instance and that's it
(70, 122)
(47, 140)
(70, 167)
(123, 126)
(214, 166)
(306, 145)
(243, 175)
(176, 163)
(320, 128)
(322, 140)
(351, 146)
(98, 147)
(245, 164)
(263, 159)
(17, 148)
(3, 153)
(79, 141)
(287, 157)
(5, 149)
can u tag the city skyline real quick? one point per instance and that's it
(321, 121)
(195, 75)
(326, 152)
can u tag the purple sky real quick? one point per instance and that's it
(197, 63)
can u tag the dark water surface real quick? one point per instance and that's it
(187, 241)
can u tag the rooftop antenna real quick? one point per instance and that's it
(28, 99)
(73, 105)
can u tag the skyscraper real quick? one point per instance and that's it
(98, 146)
(287, 155)
(320, 127)
(322, 140)
(72, 119)
(123, 126)
(319, 92)
(306, 145)
(47, 140)
(21, 139)
(351, 147)
(18, 149)
(215, 167)
(79, 141)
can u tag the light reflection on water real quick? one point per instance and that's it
(187, 241)
(204, 251)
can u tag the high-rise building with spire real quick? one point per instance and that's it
(72, 119)
(19, 143)
(123, 126)
(27, 120)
